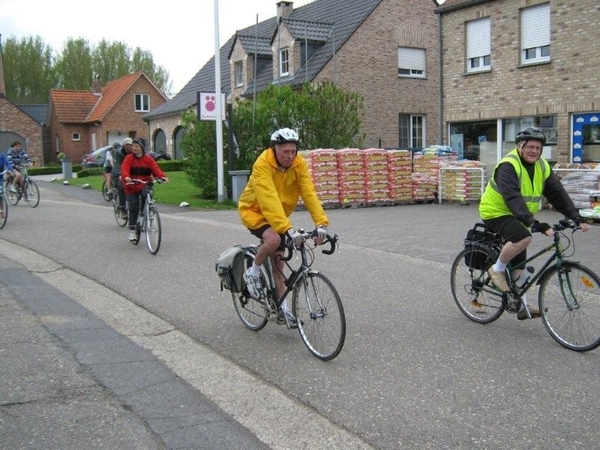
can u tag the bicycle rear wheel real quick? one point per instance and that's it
(105, 191)
(12, 197)
(117, 212)
(3, 210)
(31, 193)
(153, 229)
(471, 286)
(569, 301)
(253, 313)
(320, 315)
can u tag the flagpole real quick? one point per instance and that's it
(219, 107)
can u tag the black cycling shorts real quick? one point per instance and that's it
(511, 230)
(260, 231)
(108, 169)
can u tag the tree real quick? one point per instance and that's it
(28, 70)
(32, 69)
(324, 115)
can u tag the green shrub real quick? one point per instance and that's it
(171, 165)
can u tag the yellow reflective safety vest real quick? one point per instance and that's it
(492, 203)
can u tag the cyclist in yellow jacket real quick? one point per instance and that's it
(512, 197)
(279, 177)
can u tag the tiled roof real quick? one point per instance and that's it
(73, 106)
(312, 31)
(344, 15)
(111, 93)
(251, 44)
(38, 112)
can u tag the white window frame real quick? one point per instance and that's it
(141, 103)
(535, 34)
(238, 72)
(411, 62)
(76, 137)
(416, 132)
(284, 62)
(479, 45)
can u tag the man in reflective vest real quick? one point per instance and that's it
(512, 197)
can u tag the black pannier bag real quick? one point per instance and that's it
(480, 236)
(230, 268)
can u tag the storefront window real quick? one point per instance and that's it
(591, 143)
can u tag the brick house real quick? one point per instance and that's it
(82, 121)
(17, 125)
(508, 64)
(386, 50)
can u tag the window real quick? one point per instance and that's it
(535, 34)
(75, 137)
(478, 45)
(238, 69)
(546, 123)
(412, 131)
(284, 62)
(411, 62)
(142, 102)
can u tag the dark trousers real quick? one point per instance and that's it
(135, 206)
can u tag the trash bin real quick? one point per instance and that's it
(67, 168)
(239, 179)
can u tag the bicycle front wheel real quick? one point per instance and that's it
(153, 229)
(569, 301)
(105, 191)
(3, 210)
(253, 313)
(31, 193)
(471, 286)
(320, 315)
(13, 197)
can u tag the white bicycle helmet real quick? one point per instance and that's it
(284, 135)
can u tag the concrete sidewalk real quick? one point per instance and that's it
(69, 381)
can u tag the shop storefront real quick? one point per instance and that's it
(585, 138)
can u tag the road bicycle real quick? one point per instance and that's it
(316, 304)
(3, 205)
(148, 219)
(117, 211)
(29, 192)
(106, 192)
(568, 297)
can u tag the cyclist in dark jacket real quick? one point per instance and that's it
(17, 156)
(118, 157)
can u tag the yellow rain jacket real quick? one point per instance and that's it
(272, 193)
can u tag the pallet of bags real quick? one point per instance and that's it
(580, 184)
(399, 167)
(322, 166)
(351, 177)
(461, 180)
(377, 184)
(426, 168)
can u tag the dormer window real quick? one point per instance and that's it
(284, 62)
(142, 103)
(238, 71)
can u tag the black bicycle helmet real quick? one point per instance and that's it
(283, 136)
(529, 134)
(141, 142)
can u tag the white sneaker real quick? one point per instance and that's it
(12, 189)
(253, 284)
(132, 236)
(286, 316)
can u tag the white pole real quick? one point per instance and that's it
(220, 180)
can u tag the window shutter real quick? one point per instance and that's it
(411, 58)
(535, 26)
(478, 38)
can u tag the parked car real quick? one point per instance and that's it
(158, 156)
(95, 158)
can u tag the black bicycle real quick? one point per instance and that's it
(30, 192)
(148, 218)
(569, 293)
(316, 304)
(3, 205)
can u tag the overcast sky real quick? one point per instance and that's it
(180, 34)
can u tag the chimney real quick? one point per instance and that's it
(284, 9)
(96, 87)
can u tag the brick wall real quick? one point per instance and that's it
(570, 83)
(16, 121)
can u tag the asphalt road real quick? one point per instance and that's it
(414, 372)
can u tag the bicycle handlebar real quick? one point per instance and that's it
(564, 224)
(332, 240)
(138, 181)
